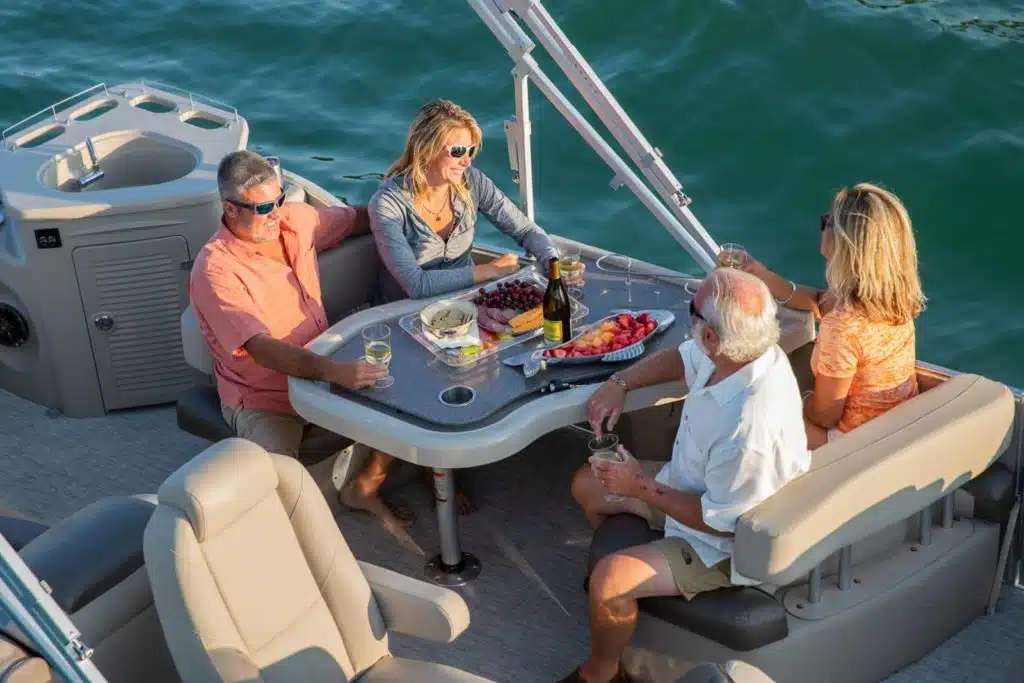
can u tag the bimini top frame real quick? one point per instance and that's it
(670, 206)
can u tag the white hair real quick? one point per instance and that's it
(742, 336)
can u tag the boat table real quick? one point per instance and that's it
(445, 417)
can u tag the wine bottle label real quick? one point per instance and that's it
(553, 331)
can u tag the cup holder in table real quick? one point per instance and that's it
(457, 396)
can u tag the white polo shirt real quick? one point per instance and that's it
(739, 441)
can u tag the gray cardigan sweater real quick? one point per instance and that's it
(418, 263)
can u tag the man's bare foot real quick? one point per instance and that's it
(464, 503)
(389, 514)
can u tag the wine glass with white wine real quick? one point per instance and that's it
(732, 256)
(570, 261)
(377, 351)
(606, 447)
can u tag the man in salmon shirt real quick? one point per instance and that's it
(255, 289)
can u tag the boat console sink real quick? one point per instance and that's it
(126, 158)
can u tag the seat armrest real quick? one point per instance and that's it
(415, 607)
(733, 671)
(875, 476)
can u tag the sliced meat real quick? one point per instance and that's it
(485, 320)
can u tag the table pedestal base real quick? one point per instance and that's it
(467, 569)
(451, 567)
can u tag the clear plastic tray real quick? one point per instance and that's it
(492, 344)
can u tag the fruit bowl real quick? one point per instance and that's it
(449, 319)
(612, 339)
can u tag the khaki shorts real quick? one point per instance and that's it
(688, 571)
(282, 433)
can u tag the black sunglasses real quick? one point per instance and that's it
(459, 151)
(263, 208)
(694, 313)
(826, 221)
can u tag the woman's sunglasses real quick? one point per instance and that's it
(459, 151)
(826, 221)
(261, 209)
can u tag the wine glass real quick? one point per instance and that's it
(571, 264)
(606, 447)
(377, 351)
(732, 255)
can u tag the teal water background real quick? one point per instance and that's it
(762, 109)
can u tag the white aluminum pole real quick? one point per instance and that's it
(589, 84)
(521, 83)
(518, 46)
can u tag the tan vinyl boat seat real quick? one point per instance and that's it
(867, 492)
(253, 581)
(731, 672)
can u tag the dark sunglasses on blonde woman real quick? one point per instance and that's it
(459, 151)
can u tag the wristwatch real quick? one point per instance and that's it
(618, 380)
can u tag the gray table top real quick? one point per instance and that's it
(508, 412)
(420, 378)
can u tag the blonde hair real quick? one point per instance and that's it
(873, 264)
(432, 124)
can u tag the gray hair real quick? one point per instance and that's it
(238, 171)
(743, 336)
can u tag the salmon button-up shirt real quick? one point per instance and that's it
(238, 293)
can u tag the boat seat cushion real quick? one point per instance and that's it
(17, 530)
(875, 476)
(92, 551)
(199, 413)
(398, 670)
(740, 618)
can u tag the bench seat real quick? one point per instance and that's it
(919, 568)
(742, 619)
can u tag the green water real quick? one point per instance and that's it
(761, 108)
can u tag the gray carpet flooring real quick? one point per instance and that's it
(528, 610)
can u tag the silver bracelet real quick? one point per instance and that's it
(618, 380)
(788, 298)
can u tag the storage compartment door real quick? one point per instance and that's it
(133, 294)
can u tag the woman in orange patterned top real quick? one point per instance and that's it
(864, 357)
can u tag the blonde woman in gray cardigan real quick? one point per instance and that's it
(424, 215)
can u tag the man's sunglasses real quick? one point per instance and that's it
(694, 313)
(459, 151)
(261, 209)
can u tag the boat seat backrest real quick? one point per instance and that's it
(875, 476)
(251, 576)
(348, 281)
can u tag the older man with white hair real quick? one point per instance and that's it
(741, 438)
